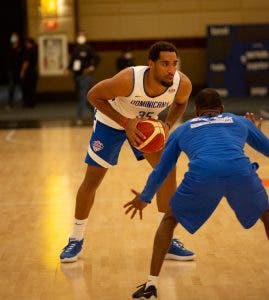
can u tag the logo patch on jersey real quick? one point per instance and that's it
(97, 146)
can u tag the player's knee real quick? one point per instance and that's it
(93, 177)
(162, 206)
(169, 221)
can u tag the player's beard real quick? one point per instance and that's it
(166, 84)
(161, 80)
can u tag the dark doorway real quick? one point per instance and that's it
(12, 18)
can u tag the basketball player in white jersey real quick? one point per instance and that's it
(121, 101)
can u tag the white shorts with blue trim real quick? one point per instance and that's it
(105, 146)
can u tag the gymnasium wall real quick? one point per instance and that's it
(120, 22)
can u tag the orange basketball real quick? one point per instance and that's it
(155, 135)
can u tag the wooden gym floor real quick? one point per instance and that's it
(41, 170)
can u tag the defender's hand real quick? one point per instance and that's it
(256, 121)
(136, 205)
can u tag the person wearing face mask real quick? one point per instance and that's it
(14, 67)
(125, 60)
(83, 62)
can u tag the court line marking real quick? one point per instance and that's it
(10, 135)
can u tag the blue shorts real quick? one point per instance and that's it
(105, 145)
(195, 201)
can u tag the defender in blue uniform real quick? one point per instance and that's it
(214, 143)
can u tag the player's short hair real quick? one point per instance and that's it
(155, 49)
(208, 98)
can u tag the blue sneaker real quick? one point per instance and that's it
(71, 251)
(145, 293)
(177, 251)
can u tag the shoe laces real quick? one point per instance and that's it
(142, 285)
(178, 243)
(70, 246)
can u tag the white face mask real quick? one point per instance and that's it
(81, 39)
(14, 39)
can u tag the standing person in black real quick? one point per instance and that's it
(29, 73)
(14, 67)
(83, 63)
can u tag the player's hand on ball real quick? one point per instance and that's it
(135, 205)
(256, 121)
(135, 136)
(155, 133)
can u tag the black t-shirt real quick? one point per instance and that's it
(15, 62)
(30, 55)
(83, 56)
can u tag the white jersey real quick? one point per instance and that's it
(138, 103)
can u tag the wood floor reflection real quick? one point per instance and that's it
(41, 170)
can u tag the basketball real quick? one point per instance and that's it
(155, 135)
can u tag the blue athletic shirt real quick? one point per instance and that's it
(214, 146)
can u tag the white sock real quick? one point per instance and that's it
(152, 280)
(79, 229)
